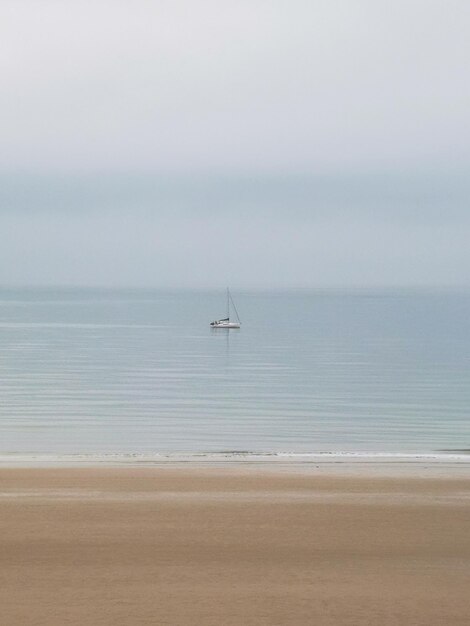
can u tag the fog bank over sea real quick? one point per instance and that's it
(250, 231)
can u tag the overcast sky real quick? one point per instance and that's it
(257, 143)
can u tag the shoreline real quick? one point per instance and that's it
(439, 464)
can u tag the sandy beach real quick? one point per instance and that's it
(232, 545)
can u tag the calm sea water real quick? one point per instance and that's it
(93, 371)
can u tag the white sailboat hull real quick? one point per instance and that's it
(225, 325)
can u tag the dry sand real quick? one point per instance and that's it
(231, 546)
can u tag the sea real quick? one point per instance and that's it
(135, 371)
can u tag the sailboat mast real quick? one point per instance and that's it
(234, 308)
(228, 304)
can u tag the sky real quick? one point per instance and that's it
(261, 144)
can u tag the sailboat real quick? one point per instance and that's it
(225, 322)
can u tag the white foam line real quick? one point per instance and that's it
(232, 457)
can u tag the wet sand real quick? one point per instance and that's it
(232, 546)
